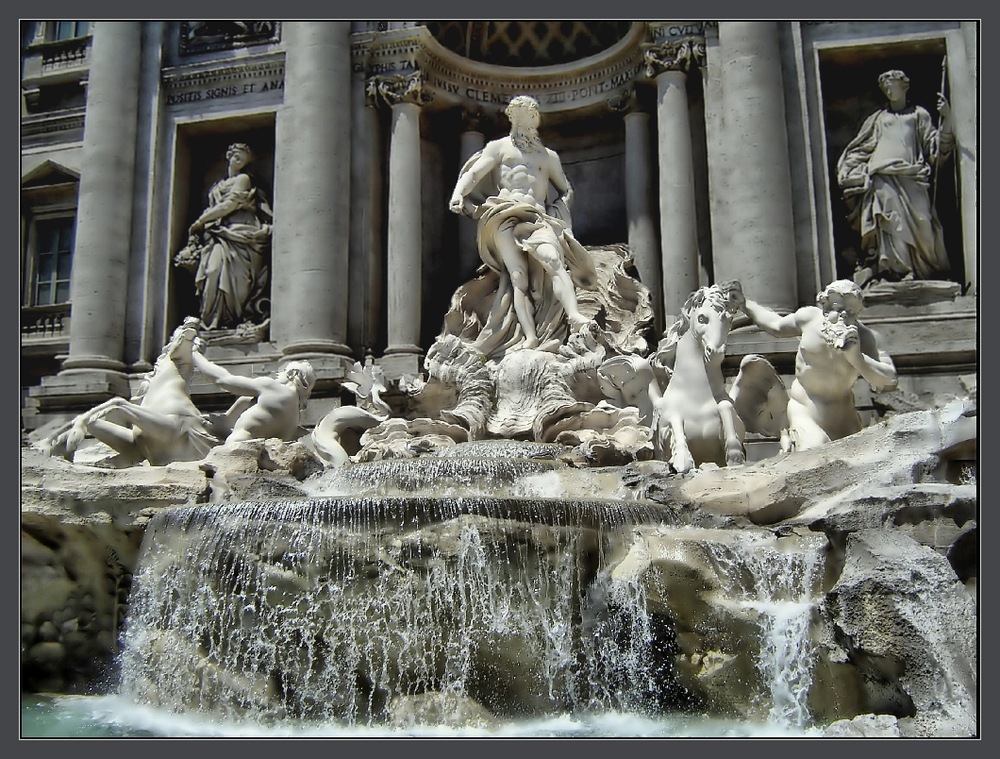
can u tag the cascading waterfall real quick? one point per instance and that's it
(780, 587)
(477, 584)
(336, 609)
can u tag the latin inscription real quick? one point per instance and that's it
(227, 91)
(567, 95)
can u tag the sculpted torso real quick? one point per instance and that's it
(823, 390)
(275, 414)
(522, 175)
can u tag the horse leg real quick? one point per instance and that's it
(122, 439)
(735, 453)
(680, 454)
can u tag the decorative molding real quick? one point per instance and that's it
(587, 82)
(679, 55)
(396, 51)
(52, 123)
(625, 103)
(400, 88)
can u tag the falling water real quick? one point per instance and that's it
(339, 609)
(779, 585)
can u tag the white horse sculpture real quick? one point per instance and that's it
(681, 392)
(160, 424)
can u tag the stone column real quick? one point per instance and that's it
(639, 203)
(471, 140)
(669, 63)
(309, 282)
(99, 282)
(404, 94)
(757, 182)
(367, 249)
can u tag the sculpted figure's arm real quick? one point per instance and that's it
(942, 139)
(230, 203)
(774, 323)
(874, 365)
(558, 179)
(472, 174)
(229, 382)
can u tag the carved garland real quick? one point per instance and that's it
(400, 88)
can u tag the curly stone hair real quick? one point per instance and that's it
(239, 146)
(891, 76)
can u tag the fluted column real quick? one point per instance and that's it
(309, 283)
(757, 180)
(404, 95)
(471, 140)
(99, 281)
(669, 63)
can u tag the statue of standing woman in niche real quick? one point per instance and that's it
(525, 238)
(229, 248)
(885, 173)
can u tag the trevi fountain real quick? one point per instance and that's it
(567, 522)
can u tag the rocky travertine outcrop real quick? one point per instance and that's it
(905, 621)
(81, 529)
(888, 517)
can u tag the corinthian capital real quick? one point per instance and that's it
(401, 88)
(677, 55)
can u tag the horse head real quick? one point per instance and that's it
(708, 314)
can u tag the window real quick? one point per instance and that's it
(67, 30)
(53, 261)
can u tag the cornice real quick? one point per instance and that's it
(217, 72)
(63, 121)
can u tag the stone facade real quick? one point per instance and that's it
(709, 148)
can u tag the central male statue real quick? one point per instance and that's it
(524, 238)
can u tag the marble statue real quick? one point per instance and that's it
(695, 420)
(228, 248)
(268, 407)
(160, 424)
(367, 382)
(885, 174)
(524, 237)
(835, 350)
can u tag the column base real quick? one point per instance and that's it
(76, 364)
(406, 348)
(305, 349)
(400, 364)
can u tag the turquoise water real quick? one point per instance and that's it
(113, 717)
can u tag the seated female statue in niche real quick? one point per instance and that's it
(229, 246)
(885, 175)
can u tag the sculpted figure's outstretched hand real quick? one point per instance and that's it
(268, 407)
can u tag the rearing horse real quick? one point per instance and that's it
(160, 424)
(694, 419)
